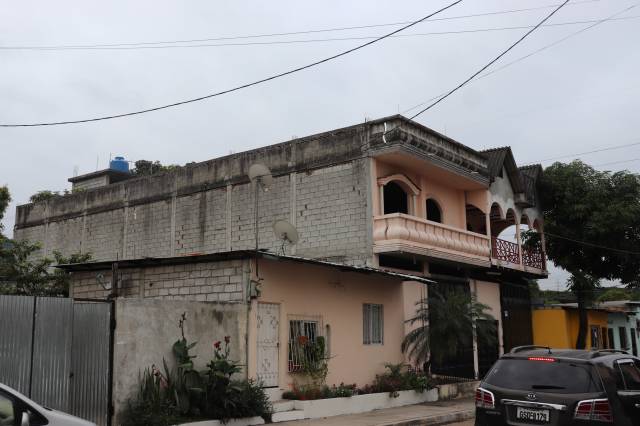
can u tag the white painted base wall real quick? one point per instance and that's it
(362, 403)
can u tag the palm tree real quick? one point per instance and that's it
(443, 321)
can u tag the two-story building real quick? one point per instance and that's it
(385, 195)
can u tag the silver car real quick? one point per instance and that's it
(18, 410)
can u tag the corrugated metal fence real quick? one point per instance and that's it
(57, 352)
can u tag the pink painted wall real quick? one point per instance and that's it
(452, 200)
(338, 297)
(488, 293)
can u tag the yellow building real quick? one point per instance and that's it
(557, 327)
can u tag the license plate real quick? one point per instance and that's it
(541, 416)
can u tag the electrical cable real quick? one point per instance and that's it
(635, 253)
(522, 58)
(616, 162)
(243, 86)
(304, 41)
(493, 61)
(243, 37)
(586, 152)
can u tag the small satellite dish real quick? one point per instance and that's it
(286, 232)
(261, 174)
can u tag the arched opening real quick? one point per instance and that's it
(434, 212)
(503, 235)
(476, 220)
(395, 199)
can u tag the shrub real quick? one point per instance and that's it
(398, 378)
(185, 394)
(311, 392)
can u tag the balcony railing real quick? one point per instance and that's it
(508, 251)
(533, 257)
(423, 234)
(400, 232)
(505, 250)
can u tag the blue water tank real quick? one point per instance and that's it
(119, 164)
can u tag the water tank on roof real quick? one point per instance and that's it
(119, 164)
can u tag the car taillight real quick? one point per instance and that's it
(594, 409)
(485, 399)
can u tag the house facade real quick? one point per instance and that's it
(388, 194)
(557, 326)
(624, 325)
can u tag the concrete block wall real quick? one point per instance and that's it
(327, 205)
(220, 281)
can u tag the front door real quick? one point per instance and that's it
(268, 343)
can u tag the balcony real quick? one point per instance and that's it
(403, 233)
(399, 232)
(507, 253)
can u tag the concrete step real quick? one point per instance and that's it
(282, 405)
(287, 416)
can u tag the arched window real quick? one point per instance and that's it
(395, 199)
(434, 213)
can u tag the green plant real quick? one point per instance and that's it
(442, 321)
(398, 378)
(154, 403)
(189, 383)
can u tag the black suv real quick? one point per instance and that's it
(535, 385)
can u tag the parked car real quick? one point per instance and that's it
(18, 410)
(535, 385)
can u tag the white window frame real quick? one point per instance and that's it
(370, 322)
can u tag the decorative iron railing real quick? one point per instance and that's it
(505, 250)
(533, 257)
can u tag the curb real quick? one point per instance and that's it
(441, 419)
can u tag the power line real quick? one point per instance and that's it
(244, 37)
(301, 41)
(522, 58)
(610, 148)
(635, 253)
(244, 86)
(490, 62)
(616, 162)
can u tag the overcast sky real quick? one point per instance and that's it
(579, 95)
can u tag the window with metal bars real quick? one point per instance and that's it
(300, 332)
(372, 324)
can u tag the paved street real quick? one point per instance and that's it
(434, 413)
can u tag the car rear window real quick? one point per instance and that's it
(544, 376)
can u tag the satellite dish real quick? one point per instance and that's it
(261, 174)
(286, 232)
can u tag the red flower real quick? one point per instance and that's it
(303, 340)
(217, 344)
(227, 339)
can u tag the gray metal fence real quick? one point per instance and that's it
(57, 351)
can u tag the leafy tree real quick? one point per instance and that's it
(443, 320)
(5, 198)
(148, 168)
(587, 212)
(21, 273)
(45, 195)
(613, 294)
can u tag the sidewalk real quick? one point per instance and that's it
(434, 413)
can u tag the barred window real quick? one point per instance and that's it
(301, 331)
(372, 324)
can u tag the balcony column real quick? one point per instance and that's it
(381, 189)
(487, 219)
(519, 239)
(414, 199)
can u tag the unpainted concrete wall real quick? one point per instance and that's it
(224, 281)
(146, 330)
